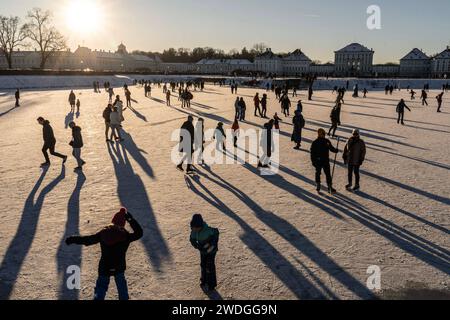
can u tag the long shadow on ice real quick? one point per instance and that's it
(21, 244)
(295, 237)
(133, 195)
(70, 256)
(278, 264)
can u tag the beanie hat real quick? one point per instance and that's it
(119, 218)
(197, 221)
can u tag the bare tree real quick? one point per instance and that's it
(259, 48)
(43, 34)
(11, 36)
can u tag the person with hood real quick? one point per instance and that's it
(439, 101)
(187, 144)
(49, 142)
(257, 103)
(264, 106)
(199, 141)
(401, 111)
(72, 101)
(320, 158)
(354, 156)
(77, 144)
(299, 123)
(114, 242)
(17, 96)
(107, 118)
(335, 119)
(115, 122)
(205, 239)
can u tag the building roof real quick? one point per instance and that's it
(416, 54)
(268, 55)
(354, 47)
(297, 55)
(444, 54)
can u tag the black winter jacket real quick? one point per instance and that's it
(49, 137)
(320, 151)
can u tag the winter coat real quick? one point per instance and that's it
(49, 137)
(299, 123)
(401, 107)
(77, 139)
(205, 239)
(189, 127)
(107, 114)
(355, 152)
(336, 115)
(114, 118)
(267, 140)
(17, 94)
(320, 151)
(199, 135)
(72, 98)
(114, 242)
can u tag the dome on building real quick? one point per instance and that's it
(122, 49)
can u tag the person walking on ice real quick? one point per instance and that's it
(72, 101)
(168, 98)
(114, 241)
(205, 239)
(424, 98)
(335, 117)
(17, 96)
(187, 137)
(320, 158)
(354, 156)
(439, 99)
(299, 123)
(77, 144)
(49, 142)
(401, 111)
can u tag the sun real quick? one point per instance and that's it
(84, 16)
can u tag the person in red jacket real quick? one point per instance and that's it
(114, 241)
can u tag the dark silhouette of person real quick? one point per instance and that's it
(49, 142)
(114, 241)
(320, 158)
(354, 156)
(187, 144)
(401, 111)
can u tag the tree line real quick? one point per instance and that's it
(185, 55)
(37, 31)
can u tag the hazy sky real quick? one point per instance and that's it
(318, 27)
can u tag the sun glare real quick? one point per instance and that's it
(83, 16)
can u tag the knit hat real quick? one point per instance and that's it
(119, 219)
(197, 221)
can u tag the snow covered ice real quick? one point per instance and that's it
(279, 239)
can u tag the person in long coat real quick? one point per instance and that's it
(299, 123)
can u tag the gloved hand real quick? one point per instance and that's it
(128, 216)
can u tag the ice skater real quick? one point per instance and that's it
(320, 158)
(115, 124)
(335, 117)
(77, 144)
(299, 123)
(220, 137)
(114, 241)
(257, 103)
(264, 106)
(439, 99)
(72, 101)
(401, 111)
(354, 156)
(424, 98)
(168, 98)
(17, 96)
(205, 239)
(187, 144)
(107, 118)
(49, 142)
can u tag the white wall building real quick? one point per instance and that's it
(415, 64)
(390, 70)
(296, 63)
(441, 64)
(354, 60)
(224, 66)
(268, 62)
